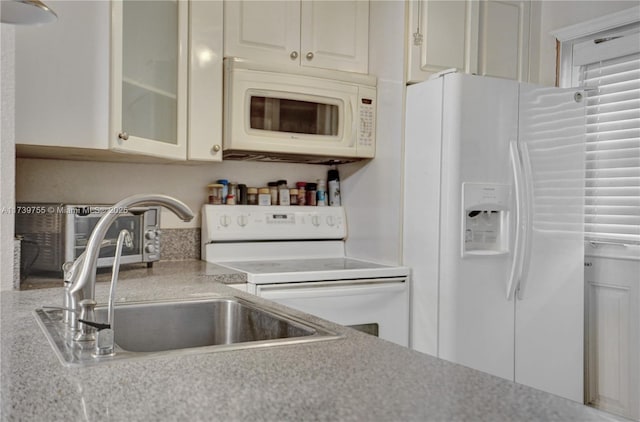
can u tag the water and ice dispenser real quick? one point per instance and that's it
(485, 219)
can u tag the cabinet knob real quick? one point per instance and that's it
(293, 55)
(309, 55)
(216, 148)
(123, 135)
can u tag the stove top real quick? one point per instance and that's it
(281, 244)
(271, 271)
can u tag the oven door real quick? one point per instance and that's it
(376, 306)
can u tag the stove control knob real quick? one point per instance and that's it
(331, 221)
(151, 234)
(315, 220)
(225, 220)
(149, 249)
(243, 220)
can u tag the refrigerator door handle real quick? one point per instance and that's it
(516, 165)
(527, 221)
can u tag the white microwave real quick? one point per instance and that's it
(279, 113)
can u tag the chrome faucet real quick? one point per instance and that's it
(80, 277)
(104, 338)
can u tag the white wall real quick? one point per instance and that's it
(63, 181)
(556, 14)
(7, 154)
(373, 191)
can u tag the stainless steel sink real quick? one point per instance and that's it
(146, 329)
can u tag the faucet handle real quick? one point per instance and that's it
(67, 269)
(98, 325)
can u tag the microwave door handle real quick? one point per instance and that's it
(354, 124)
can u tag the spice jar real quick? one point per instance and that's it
(302, 191)
(333, 179)
(311, 194)
(264, 196)
(273, 189)
(232, 194)
(283, 193)
(215, 193)
(241, 195)
(225, 189)
(252, 196)
(293, 196)
(321, 193)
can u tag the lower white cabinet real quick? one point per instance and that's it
(612, 337)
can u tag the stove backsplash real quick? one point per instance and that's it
(180, 244)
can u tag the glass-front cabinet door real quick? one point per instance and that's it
(149, 77)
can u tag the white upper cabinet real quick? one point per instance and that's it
(442, 35)
(487, 37)
(323, 34)
(116, 76)
(335, 35)
(503, 39)
(205, 81)
(62, 78)
(149, 77)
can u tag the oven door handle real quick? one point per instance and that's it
(319, 289)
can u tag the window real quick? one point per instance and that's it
(607, 65)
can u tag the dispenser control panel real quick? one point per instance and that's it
(485, 219)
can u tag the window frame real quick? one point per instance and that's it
(617, 24)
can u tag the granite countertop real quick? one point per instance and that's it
(357, 377)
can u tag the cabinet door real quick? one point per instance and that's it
(613, 334)
(334, 35)
(205, 81)
(503, 41)
(149, 77)
(62, 78)
(262, 30)
(442, 35)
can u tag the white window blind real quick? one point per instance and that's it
(612, 195)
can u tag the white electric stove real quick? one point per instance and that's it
(296, 256)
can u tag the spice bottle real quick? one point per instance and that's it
(283, 193)
(311, 194)
(302, 192)
(252, 196)
(333, 179)
(225, 189)
(215, 193)
(232, 193)
(241, 196)
(293, 196)
(264, 196)
(321, 193)
(273, 190)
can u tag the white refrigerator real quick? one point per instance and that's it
(493, 227)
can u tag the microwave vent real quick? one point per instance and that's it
(286, 158)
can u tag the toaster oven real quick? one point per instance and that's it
(57, 233)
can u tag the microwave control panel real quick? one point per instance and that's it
(367, 123)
